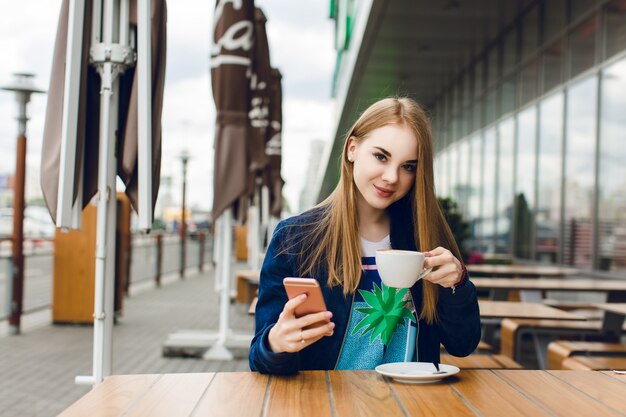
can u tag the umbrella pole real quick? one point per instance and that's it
(219, 351)
(254, 226)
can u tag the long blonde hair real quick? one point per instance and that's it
(334, 240)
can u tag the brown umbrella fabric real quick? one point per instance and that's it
(231, 56)
(89, 113)
(273, 148)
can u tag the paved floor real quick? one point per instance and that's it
(37, 368)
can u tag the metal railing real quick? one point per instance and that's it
(151, 257)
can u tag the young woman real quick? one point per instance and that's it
(385, 199)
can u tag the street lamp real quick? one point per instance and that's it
(184, 158)
(23, 87)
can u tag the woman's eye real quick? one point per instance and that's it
(380, 156)
(410, 167)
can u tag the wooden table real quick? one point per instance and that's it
(520, 310)
(357, 393)
(531, 289)
(518, 270)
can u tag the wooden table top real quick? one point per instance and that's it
(520, 310)
(532, 270)
(619, 308)
(356, 393)
(550, 284)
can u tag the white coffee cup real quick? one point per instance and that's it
(400, 268)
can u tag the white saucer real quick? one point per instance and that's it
(415, 372)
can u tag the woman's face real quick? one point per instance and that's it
(384, 165)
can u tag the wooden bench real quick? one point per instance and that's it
(544, 331)
(594, 363)
(247, 285)
(481, 361)
(560, 350)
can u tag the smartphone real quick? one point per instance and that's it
(309, 286)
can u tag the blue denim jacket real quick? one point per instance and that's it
(457, 328)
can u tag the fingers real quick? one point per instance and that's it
(448, 269)
(291, 305)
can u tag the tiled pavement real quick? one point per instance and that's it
(37, 368)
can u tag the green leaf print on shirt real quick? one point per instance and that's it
(386, 311)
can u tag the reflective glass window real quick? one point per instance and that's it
(615, 20)
(474, 200)
(479, 72)
(550, 157)
(553, 61)
(507, 99)
(504, 207)
(580, 157)
(463, 185)
(555, 13)
(509, 54)
(530, 32)
(612, 171)
(491, 106)
(580, 7)
(529, 78)
(488, 218)
(526, 158)
(583, 46)
(493, 66)
(453, 170)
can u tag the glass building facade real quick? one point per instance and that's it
(531, 137)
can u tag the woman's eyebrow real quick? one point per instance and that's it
(388, 155)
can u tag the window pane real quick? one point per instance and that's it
(528, 82)
(579, 7)
(474, 201)
(555, 17)
(525, 182)
(548, 216)
(453, 164)
(463, 182)
(478, 116)
(553, 61)
(490, 110)
(583, 46)
(493, 68)
(611, 191)
(505, 185)
(507, 100)
(510, 50)
(489, 191)
(530, 33)
(478, 78)
(615, 27)
(580, 160)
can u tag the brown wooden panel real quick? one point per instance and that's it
(506, 362)
(434, 399)
(594, 363)
(304, 394)
(491, 396)
(543, 388)
(598, 386)
(362, 393)
(226, 391)
(172, 395)
(112, 397)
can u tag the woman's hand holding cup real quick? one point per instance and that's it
(448, 270)
(292, 334)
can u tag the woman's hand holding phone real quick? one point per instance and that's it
(292, 333)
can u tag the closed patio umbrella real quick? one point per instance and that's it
(273, 148)
(101, 121)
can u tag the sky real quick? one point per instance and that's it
(300, 37)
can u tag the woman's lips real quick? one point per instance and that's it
(382, 192)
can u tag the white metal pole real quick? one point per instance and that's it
(144, 72)
(217, 253)
(66, 217)
(219, 351)
(253, 238)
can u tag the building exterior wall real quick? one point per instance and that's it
(531, 137)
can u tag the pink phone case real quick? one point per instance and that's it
(315, 300)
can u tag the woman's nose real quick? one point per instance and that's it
(390, 175)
